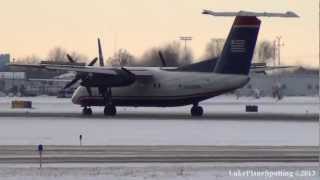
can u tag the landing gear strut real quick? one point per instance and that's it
(87, 111)
(109, 109)
(196, 110)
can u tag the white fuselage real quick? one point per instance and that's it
(166, 88)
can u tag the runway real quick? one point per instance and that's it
(162, 116)
(218, 108)
(156, 154)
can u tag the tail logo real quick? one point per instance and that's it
(238, 46)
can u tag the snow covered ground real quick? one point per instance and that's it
(228, 104)
(32, 131)
(153, 131)
(203, 171)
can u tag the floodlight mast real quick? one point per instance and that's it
(288, 14)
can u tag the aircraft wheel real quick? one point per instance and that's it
(196, 111)
(87, 111)
(110, 110)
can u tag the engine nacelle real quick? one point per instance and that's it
(100, 80)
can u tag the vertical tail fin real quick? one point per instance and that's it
(238, 50)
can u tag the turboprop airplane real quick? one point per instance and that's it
(167, 87)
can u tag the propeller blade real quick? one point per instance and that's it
(127, 71)
(93, 62)
(89, 90)
(164, 64)
(71, 82)
(101, 60)
(71, 60)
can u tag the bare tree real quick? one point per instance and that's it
(264, 52)
(33, 59)
(186, 57)
(79, 57)
(150, 58)
(214, 48)
(57, 54)
(122, 58)
(173, 54)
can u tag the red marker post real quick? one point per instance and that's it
(40, 149)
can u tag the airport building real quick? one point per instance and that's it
(292, 84)
(4, 60)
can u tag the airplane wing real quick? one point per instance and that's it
(85, 69)
(263, 69)
(48, 80)
(139, 73)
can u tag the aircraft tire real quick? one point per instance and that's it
(87, 111)
(196, 111)
(110, 110)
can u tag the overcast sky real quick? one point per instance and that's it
(35, 26)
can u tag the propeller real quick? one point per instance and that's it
(79, 76)
(93, 62)
(104, 90)
(101, 60)
(163, 61)
(84, 76)
(70, 59)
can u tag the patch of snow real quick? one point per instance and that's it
(156, 171)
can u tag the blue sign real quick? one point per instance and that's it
(40, 147)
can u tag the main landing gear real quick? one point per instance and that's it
(110, 110)
(196, 110)
(87, 111)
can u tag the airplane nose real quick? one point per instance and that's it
(75, 99)
(244, 80)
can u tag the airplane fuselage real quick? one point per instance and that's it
(165, 89)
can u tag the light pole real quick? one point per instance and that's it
(274, 53)
(279, 44)
(185, 39)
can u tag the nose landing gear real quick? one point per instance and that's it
(87, 111)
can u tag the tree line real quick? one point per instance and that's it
(173, 53)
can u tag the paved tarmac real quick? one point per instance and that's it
(155, 154)
(163, 116)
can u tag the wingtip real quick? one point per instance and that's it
(292, 14)
(205, 11)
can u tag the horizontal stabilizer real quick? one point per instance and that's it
(288, 14)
